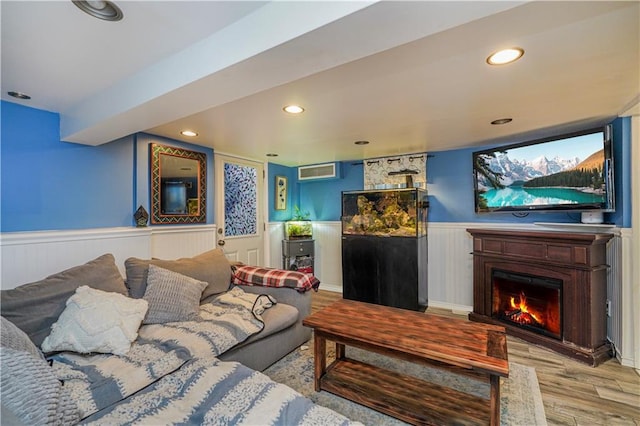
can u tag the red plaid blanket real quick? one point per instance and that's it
(271, 277)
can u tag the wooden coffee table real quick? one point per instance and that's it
(473, 349)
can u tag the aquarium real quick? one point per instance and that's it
(393, 212)
(298, 230)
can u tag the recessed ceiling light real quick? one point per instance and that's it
(361, 142)
(293, 109)
(500, 121)
(19, 95)
(271, 154)
(105, 10)
(189, 133)
(505, 56)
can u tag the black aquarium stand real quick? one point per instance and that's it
(390, 271)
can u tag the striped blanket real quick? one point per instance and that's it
(171, 376)
(214, 392)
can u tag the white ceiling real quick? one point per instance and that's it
(406, 76)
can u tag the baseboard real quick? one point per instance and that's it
(331, 288)
(456, 309)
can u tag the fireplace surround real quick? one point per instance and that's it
(548, 288)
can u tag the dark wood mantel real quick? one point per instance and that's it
(578, 260)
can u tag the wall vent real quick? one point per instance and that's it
(318, 171)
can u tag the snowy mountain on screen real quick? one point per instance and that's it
(522, 170)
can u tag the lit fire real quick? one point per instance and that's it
(520, 312)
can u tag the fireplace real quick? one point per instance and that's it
(548, 288)
(530, 302)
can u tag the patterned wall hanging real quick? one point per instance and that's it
(396, 172)
(240, 200)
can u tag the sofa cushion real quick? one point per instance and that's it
(211, 266)
(276, 318)
(31, 393)
(171, 296)
(96, 321)
(36, 306)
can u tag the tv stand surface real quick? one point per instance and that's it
(587, 227)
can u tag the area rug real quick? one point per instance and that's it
(520, 399)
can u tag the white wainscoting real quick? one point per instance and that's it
(625, 309)
(173, 242)
(327, 248)
(31, 256)
(450, 270)
(275, 231)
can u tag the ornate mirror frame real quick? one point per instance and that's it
(195, 210)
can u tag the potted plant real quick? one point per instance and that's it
(299, 227)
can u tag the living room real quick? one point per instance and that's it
(42, 175)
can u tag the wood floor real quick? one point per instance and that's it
(573, 393)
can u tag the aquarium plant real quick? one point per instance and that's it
(299, 227)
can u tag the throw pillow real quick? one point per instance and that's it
(172, 296)
(32, 393)
(211, 267)
(36, 306)
(13, 338)
(96, 321)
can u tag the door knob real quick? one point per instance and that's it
(220, 242)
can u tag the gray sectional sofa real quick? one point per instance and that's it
(283, 331)
(182, 313)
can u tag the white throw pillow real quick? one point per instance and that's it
(96, 321)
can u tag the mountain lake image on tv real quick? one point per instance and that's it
(568, 172)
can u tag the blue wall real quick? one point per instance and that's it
(293, 198)
(450, 185)
(622, 170)
(47, 184)
(322, 199)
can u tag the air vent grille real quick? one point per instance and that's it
(318, 171)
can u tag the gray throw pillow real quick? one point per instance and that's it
(172, 297)
(13, 338)
(36, 306)
(32, 392)
(211, 266)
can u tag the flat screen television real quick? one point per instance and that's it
(566, 172)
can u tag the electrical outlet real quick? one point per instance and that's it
(608, 308)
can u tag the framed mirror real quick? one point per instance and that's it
(178, 185)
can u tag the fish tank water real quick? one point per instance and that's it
(298, 230)
(392, 212)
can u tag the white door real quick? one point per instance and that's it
(239, 208)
